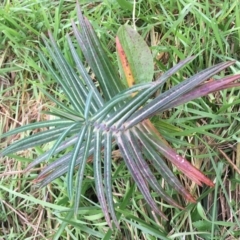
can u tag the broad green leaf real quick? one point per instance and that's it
(125, 4)
(135, 54)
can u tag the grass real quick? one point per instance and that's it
(206, 131)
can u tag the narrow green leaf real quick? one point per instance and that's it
(97, 97)
(63, 84)
(70, 141)
(88, 105)
(97, 58)
(82, 163)
(139, 99)
(98, 176)
(67, 110)
(30, 198)
(61, 165)
(74, 85)
(38, 139)
(52, 169)
(146, 228)
(204, 89)
(60, 140)
(182, 164)
(75, 155)
(58, 113)
(108, 175)
(83, 228)
(37, 125)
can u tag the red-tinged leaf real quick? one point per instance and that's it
(146, 171)
(39, 179)
(124, 64)
(205, 89)
(186, 167)
(137, 53)
(218, 85)
(150, 148)
(182, 164)
(230, 85)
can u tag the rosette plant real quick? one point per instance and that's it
(107, 114)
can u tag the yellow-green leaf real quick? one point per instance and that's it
(137, 55)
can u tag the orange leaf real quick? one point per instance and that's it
(125, 63)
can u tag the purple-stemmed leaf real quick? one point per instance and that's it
(182, 164)
(128, 155)
(205, 89)
(173, 94)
